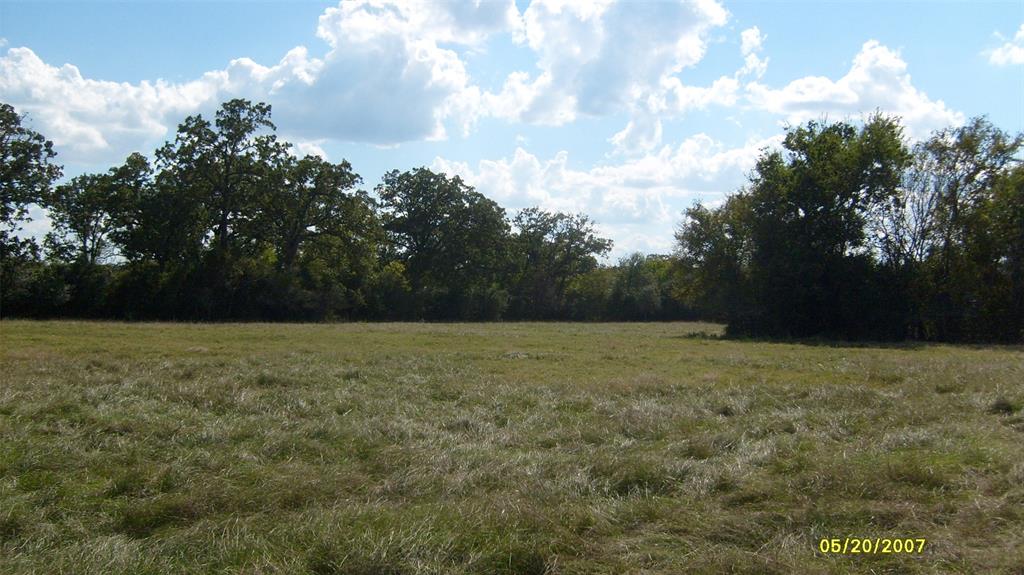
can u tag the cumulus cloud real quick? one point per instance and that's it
(86, 116)
(308, 148)
(394, 72)
(389, 75)
(600, 58)
(638, 201)
(673, 98)
(750, 40)
(1011, 52)
(466, 23)
(644, 130)
(878, 79)
(387, 71)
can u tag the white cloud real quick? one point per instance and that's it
(751, 40)
(87, 117)
(672, 98)
(308, 148)
(644, 130)
(1011, 52)
(465, 23)
(600, 58)
(638, 202)
(393, 72)
(385, 79)
(878, 79)
(642, 133)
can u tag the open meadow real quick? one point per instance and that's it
(499, 448)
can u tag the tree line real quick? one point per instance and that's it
(225, 222)
(849, 233)
(846, 232)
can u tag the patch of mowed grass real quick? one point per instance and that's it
(498, 448)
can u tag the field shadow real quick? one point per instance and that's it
(866, 344)
(814, 341)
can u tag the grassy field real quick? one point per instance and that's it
(499, 448)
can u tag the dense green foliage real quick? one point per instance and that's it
(227, 223)
(26, 174)
(847, 233)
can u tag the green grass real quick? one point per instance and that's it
(498, 448)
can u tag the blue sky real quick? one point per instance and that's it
(627, 111)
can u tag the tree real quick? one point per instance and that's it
(715, 254)
(26, 168)
(220, 165)
(903, 229)
(209, 178)
(79, 241)
(810, 265)
(587, 296)
(452, 241)
(26, 173)
(962, 165)
(1007, 217)
(80, 211)
(388, 293)
(636, 292)
(847, 233)
(304, 199)
(789, 255)
(551, 250)
(156, 219)
(959, 169)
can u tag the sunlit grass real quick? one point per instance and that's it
(498, 448)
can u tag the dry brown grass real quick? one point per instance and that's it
(499, 448)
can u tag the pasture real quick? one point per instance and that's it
(499, 448)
